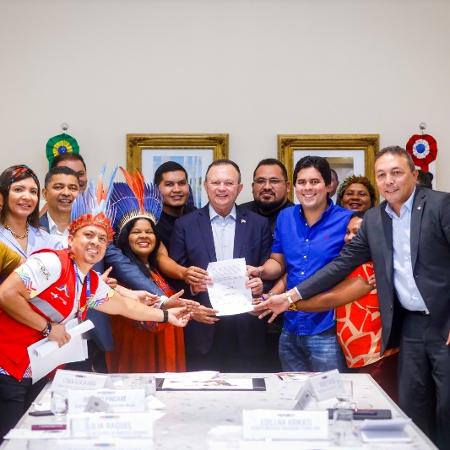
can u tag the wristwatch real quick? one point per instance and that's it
(47, 330)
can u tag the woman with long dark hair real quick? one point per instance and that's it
(142, 346)
(19, 217)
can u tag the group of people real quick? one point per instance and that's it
(361, 287)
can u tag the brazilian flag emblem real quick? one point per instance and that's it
(61, 144)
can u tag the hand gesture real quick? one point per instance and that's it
(146, 297)
(195, 275)
(111, 282)
(256, 285)
(254, 271)
(179, 317)
(275, 305)
(205, 315)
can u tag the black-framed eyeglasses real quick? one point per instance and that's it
(271, 181)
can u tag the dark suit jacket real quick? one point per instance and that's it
(430, 257)
(127, 274)
(192, 244)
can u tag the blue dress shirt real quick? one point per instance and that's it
(306, 249)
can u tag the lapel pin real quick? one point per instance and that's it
(419, 208)
(243, 221)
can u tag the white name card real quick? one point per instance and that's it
(97, 426)
(107, 400)
(264, 424)
(304, 396)
(324, 385)
(71, 379)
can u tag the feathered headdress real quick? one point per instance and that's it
(134, 199)
(91, 207)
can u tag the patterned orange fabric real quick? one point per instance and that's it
(358, 325)
(139, 350)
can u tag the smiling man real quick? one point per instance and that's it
(221, 230)
(307, 237)
(61, 188)
(50, 288)
(408, 239)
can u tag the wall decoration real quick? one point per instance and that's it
(193, 151)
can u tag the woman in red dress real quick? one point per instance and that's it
(143, 346)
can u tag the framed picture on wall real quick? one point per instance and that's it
(348, 154)
(194, 152)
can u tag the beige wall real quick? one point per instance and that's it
(252, 69)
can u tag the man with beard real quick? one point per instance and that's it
(270, 190)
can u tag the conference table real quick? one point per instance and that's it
(213, 419)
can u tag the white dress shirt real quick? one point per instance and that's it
(405, 285)
(223, 229)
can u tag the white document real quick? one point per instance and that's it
(214, 384)
(45, 355)
(228, 293)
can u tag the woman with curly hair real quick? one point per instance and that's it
(356, 193)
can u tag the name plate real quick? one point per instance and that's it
(324, 385)
(71, 379)
(107, 400)
(97, 426)
(264, 424)
(304, 396)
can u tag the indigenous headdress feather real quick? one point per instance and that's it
(134, 199)
(91, 207)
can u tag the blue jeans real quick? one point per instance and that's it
(317, 353)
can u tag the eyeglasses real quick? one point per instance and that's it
(271, 181)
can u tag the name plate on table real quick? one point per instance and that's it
(97, 426)
(71, 379)
(107, 400)
(263, 424)
(304, 396)
(324, 385)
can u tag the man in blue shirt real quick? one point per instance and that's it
(307, 237)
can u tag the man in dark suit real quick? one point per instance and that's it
(408, 239)
(221, 230)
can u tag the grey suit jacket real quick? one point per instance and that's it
(430, 257)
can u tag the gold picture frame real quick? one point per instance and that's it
(348, 154)
(145, 152)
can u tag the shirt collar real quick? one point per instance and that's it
(407, 206)
(213, 214)
(52, 227)
(330, 206)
